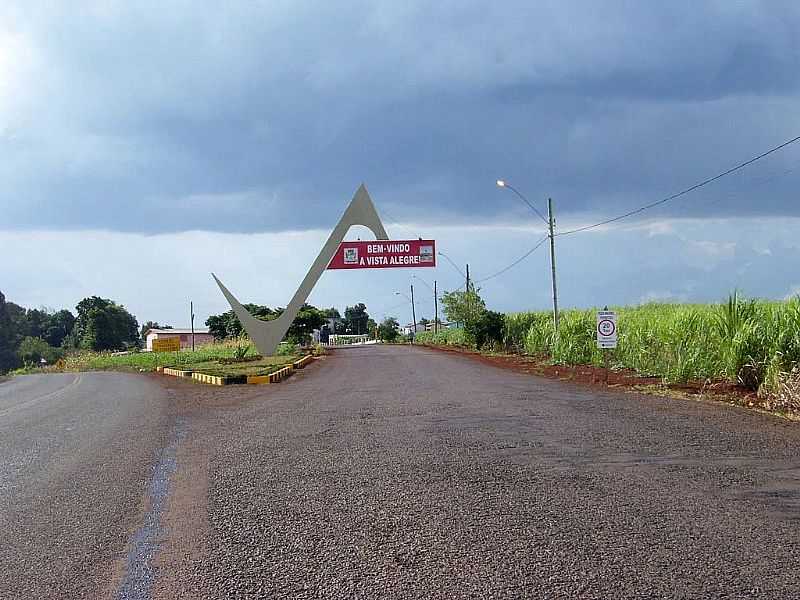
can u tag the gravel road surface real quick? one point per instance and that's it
(399, 472)
(390, 472)
(76, 455)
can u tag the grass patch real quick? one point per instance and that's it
(204, 359)
(258, 366)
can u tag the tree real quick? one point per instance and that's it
(36, 321)
(152, 325)
(356, 318)
(103, 324)
(463, 307)
(227, 325)
(18, 323)
(389, 329)
(371, 327)
(59, 327)
(307, 320)
(487, 329)
(336, 323)
(8, 357)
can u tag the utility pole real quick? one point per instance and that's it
(467, 297)
(435, 309)
(551, 223)
(413, 310)
(191, 313)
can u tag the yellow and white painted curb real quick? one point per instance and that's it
(177, 372)
(275, 377)
(302, 362)
(209, 379)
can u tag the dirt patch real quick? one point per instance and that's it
(588, 375)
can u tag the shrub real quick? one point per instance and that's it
(32, 350)
(487, 330)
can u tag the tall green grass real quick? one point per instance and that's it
(445, 337)
(148, 361)
(748, 342)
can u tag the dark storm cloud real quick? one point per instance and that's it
(267, 117)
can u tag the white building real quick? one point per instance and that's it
(201, 336)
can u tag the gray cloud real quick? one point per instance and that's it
(265, 117)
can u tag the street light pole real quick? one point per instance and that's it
(413, 310)
(436, 309)
(550, 221)
(435, 300)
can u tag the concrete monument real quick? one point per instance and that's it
(268, 334)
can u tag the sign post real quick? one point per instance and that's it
(606, 334)
(170, 344)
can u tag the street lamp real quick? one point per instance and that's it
(413, 310)
(435, 302)
(550, 222)
(450, 260)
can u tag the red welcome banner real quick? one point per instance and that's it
(384, 254)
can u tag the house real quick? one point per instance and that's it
(201, 336)
(409, 328)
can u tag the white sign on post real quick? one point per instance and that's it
(606, 329)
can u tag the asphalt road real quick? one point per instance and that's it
(76, 457)
(391, 472)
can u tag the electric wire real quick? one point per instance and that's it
(682, 192)
(515, 263)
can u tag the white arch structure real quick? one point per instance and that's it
(266, 335)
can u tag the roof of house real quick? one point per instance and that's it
(180, 331)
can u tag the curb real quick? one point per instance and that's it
(176, 372)
(302, 362)
(275, 377)
(216, 380)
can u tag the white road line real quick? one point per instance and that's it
(54, 394)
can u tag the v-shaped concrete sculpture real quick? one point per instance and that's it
(267, 334)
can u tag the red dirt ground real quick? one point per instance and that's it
(600, 377)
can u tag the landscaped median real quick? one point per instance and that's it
(252, 370)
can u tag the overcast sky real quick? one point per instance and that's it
(145, 145)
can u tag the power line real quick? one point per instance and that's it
(455, 266)
(516, 262)
(394, 221)
(682, 192)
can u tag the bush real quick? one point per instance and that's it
(487, 329)
(285, 348)
(33, 349)
(445, 337)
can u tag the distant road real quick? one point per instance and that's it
(76, 452)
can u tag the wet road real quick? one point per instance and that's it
(390, 472)
(76, 456)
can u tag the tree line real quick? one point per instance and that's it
(28, 335)
(356, 320)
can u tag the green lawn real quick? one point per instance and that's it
(260, 366)
(204, 359)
